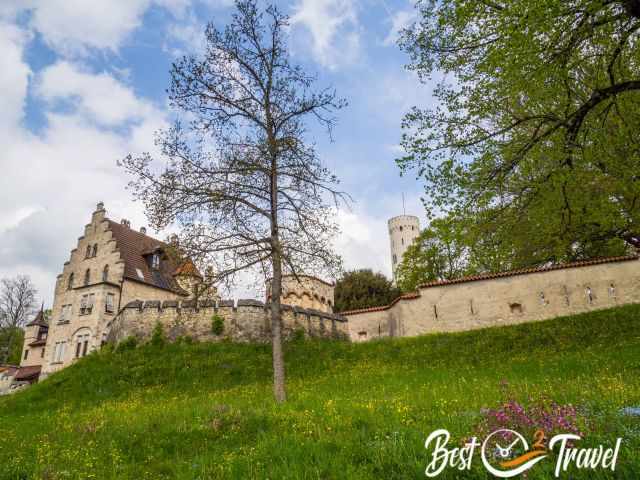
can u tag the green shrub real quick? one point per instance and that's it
(184, 340)
(298, 335)
(157, 337)
(129, 343)
(217, 325)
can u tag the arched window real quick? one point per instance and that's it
(95, 250)
(82, 343)
(87, 276)
(70, 283)
(88, 253)
(105, 273)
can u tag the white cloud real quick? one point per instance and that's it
(14, 76)
(334, 29)
(399, 21)
(74, 27)
(51, 181)
(99, 97)
(363, 242)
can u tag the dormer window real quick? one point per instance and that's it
(155, 261)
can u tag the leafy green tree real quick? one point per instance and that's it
(534, 138)
(439, 253)
(12, 339)
(363, 289)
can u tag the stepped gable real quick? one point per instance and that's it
(134, 247)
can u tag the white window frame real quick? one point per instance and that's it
(109, 303)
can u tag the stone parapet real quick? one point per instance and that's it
(244, 321)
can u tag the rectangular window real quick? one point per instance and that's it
(58, 353)
(86, 303)
(42, 353)
(26, 354)
(108, 306)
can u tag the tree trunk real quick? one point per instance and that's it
(276, 329)
(276, 282)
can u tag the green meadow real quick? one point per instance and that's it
(200, 411)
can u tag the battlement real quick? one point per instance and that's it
(245, 320)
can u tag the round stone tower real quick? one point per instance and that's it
(306, 291)
(403, 230)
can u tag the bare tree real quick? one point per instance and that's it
(243, 182)
(17, 304)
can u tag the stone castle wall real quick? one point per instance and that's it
(246, 321)
(502, 299)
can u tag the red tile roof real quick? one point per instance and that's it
(28, 373)
(524, 271)
(11, 369)
(489, 276)
(187, 268)
(133, 247)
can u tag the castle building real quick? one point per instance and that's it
(306, 291)
(111, 265)
(403, 230)
(33, 352)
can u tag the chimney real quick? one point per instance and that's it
(173, 240)
(143, 230)
(98, 215)
(126, 223)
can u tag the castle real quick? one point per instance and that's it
(120, 282)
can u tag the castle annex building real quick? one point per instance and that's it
(111, 265)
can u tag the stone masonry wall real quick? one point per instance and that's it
(248, 321)
(503, 299)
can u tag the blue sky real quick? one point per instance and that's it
(82, 83)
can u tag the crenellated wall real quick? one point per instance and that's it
(504, 298)
(246, 321)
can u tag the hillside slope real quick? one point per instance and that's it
(355, 411)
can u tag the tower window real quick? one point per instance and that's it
(108, 306)
(105, 273)
(87, 277)
(95, 250)
(70, 283)
(88, 252)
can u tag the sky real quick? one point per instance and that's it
(83, 84)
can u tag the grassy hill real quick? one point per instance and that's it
(199, 411)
